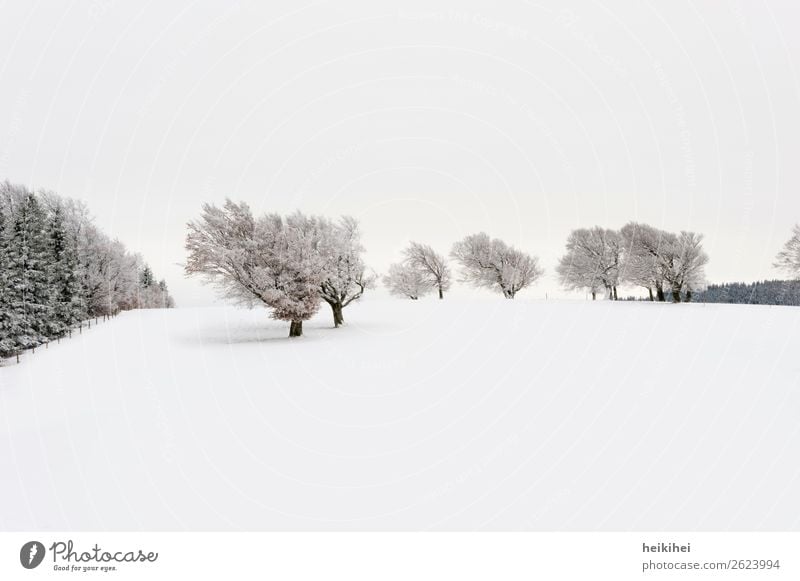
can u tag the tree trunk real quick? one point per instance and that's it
(616, 296)
(652, 298)
(676, 295)
(296, 329)
(660, 294)
(338, 316)
(594, 296)
(688, 296)
(441, 293)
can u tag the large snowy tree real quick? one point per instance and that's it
(271, 260)
(431, 264)
(643, 263)
(64, 287)
(8, 323)
(28, 272)
(788, 258)
(407, 281)
(592, 261)
(491, 263)
(346, 276)
(660, 260)
(684, 265)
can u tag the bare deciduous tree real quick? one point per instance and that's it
(491, 263)
(788, 258)
(642, 263)
(346, 276)
(592, 261)
(684, 265)
(432, 264)
(407, 281)
(655, 259)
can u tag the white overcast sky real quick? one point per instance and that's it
(427, 120)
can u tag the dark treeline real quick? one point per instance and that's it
(768, 292)
(57, 269)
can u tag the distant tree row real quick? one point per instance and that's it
(485, 263)
(671, 267)
(58, 269)
(292, 264)
(767, 292)
(599, 260)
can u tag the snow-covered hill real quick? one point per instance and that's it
(479, 414)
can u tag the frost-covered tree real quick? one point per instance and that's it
(64, 286)
(788, 258)
(272, 260)
(28, 272)
(76, 220)
(684, 265)
(592, 261)
(166, 301)
(643, 263)
(110, 274)
(146, 279)
(151, 294)
(407, 281)
(346, 276)
(432, 264)
(8, 315)
(491, 263)
(657, 259)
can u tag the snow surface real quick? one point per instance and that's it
(474, 414)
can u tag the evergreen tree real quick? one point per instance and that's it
(165, 300)
(146, 279)
(8, 344)
(28, 276)
(64, 287)
(79, 298)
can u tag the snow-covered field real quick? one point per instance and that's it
(473, 414)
